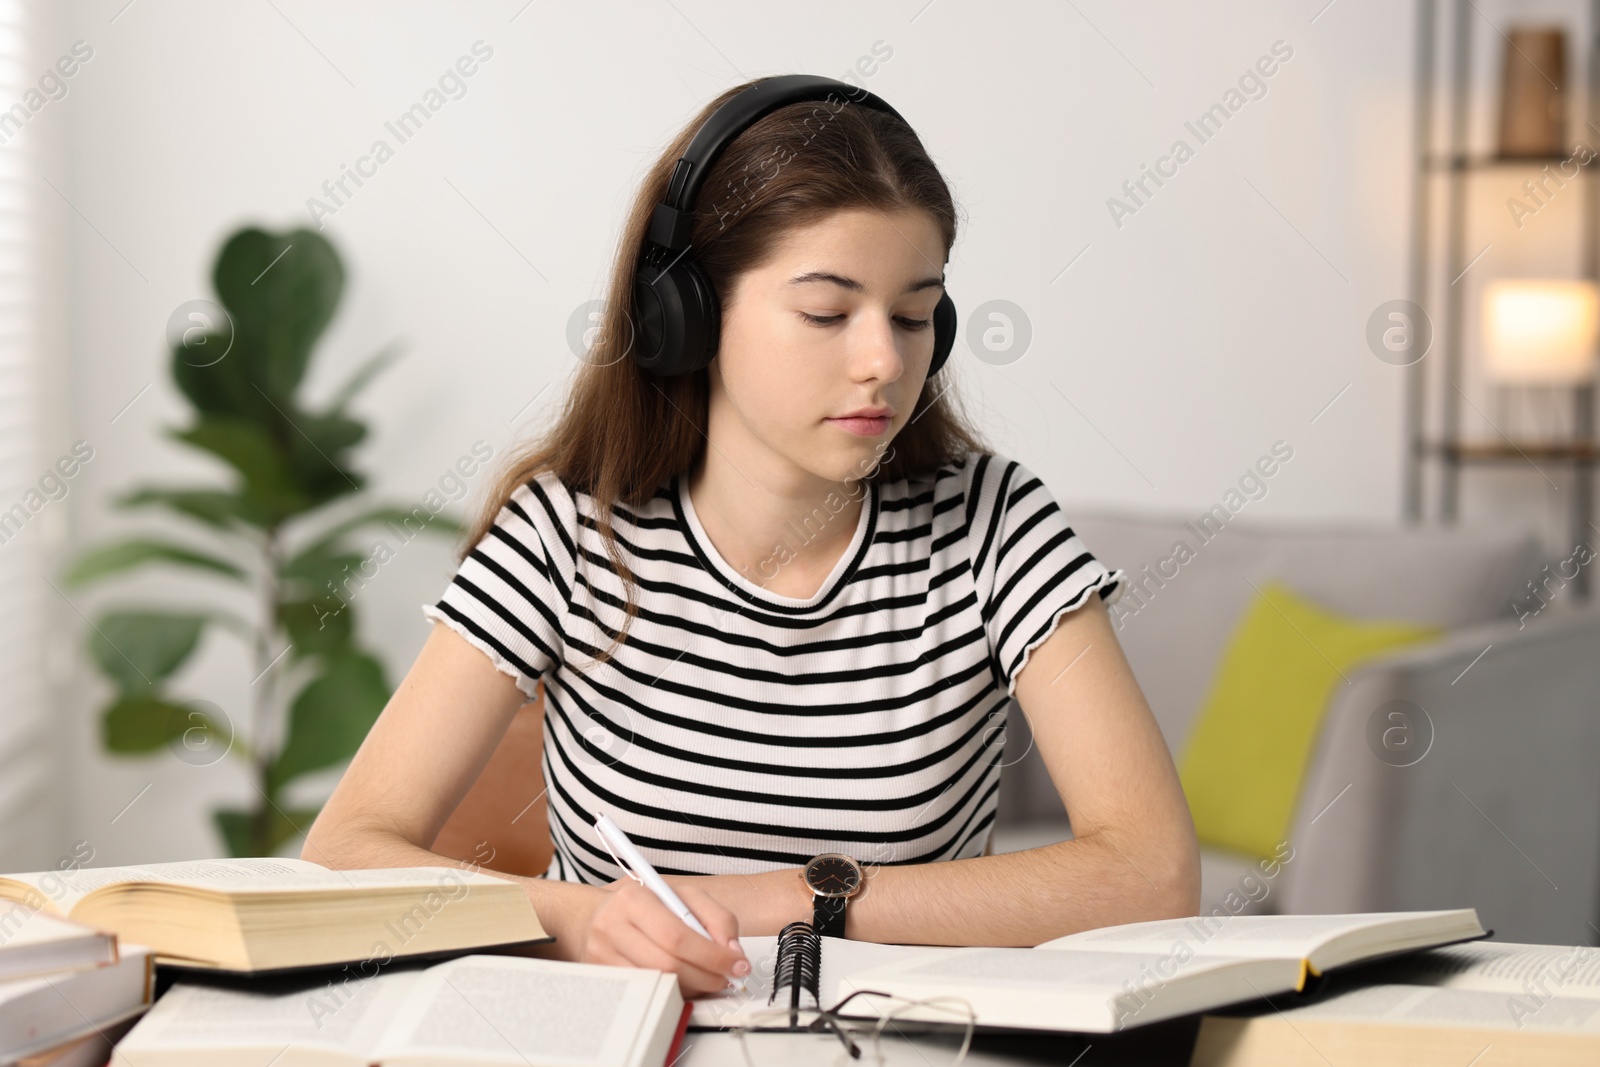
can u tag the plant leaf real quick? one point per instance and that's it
(315, 448)
(248, 448)
(288, 824)
(281, 290)
(369, 369)
(324, 572)
(384, 513)
(318, 626)
(139, 724)
(235, 624)
(331, 716)
(137, 649)
(214, 507)
(115, 558)
(447, 525)
(331, 433)
(236, 827)
(219, 384)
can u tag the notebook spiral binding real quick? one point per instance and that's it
(798, 966)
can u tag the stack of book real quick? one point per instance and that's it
(287, 962)
(64, 985)
(1486, 1003)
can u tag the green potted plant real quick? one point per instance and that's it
(281, 542)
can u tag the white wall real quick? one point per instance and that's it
(1223, 316)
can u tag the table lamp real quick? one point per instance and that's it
(1540, 332)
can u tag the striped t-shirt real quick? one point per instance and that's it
(738, 731)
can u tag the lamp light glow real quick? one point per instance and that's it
(1540, 331)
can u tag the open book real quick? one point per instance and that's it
(266, 914)
(508, 1010)
(1521, 1003)
(1105, 979)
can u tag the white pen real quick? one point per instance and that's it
(632, 860)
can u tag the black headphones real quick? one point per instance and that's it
(680, 320)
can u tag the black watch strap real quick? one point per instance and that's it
(827, 915)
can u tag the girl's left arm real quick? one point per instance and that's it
(1133, 855)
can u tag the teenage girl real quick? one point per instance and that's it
(780, 601)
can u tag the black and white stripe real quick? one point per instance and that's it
(736, 730)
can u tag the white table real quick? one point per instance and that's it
(713, 1048)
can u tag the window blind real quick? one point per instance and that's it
(25, 751)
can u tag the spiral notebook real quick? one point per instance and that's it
(798, 968)
(819, 962)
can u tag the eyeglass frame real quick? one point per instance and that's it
(829, 1019)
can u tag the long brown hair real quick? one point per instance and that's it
(623, 432)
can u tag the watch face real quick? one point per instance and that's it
(832, 875)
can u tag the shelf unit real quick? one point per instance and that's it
(1456, 166)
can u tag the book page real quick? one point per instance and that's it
(1083, 990)
(1532, 971)
(1104, 973)
(1432, 1006)
(64, 889)
(21, 927)
(1257, 936)
(519, 1010)
(723, 1010)
(326, 1013)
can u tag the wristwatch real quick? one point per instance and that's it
(833, 879)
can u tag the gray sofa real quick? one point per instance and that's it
(1501, 813)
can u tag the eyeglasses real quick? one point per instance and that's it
(817, 1020)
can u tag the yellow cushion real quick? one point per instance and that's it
(1251, 741)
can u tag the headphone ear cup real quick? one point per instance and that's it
(679, 319)
(944, 332)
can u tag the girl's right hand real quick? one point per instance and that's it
(629, 926)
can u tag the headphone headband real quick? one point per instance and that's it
(670, 225)
(678, 316)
